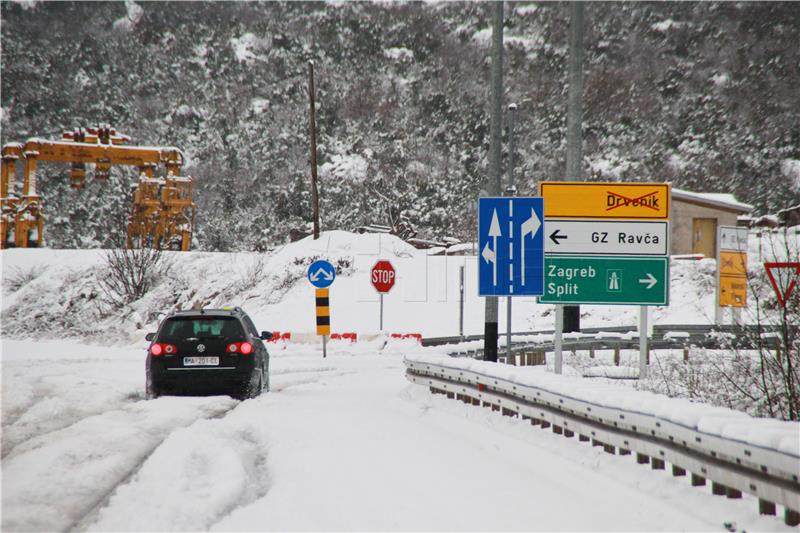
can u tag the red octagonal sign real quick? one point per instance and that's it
(383, 275)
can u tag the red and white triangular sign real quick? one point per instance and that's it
(783, 277)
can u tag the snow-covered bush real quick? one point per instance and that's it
(19, 277)
(130, 273)
(718, 378)
(764, 381)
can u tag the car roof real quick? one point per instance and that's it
(232, 311)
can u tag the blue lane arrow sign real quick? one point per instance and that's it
(490, 254)
(511, 244)
(321, 274)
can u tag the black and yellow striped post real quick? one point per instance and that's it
(323, 317)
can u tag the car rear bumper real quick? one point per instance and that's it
(216, 380)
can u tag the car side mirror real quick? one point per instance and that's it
(150, 336)
(266, 335)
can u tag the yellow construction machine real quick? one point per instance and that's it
(162, 214)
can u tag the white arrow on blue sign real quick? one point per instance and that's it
(511, 246)
(321, 274)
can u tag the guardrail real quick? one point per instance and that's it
(737, 453)
(679, 336)
(439, 341)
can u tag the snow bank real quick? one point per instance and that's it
(54, 293)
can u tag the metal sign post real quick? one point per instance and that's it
(508, 331)
(718, 310)
(381, 321)
(642, 342)
(557, 338)
(461, 301)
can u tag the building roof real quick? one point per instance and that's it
(712, 199)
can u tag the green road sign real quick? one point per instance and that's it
(606, 280)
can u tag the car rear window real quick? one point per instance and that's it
(182, 328)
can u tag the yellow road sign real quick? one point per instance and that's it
(323, 312)
(732, 291)
(733, 264)
(579, 199)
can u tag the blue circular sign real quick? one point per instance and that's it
(321, 274)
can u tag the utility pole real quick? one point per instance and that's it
(313, 134)
(572, 313)
(490, 330)
(510, 191)
(512, 187)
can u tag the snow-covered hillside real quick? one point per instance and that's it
(55, 293)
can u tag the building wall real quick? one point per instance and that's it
(682, 215)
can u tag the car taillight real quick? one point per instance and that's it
(158, 348)
(244, 348)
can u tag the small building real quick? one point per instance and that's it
(790, 216)
(695, 217)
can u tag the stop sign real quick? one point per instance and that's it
(383, 275)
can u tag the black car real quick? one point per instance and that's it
(207, 351)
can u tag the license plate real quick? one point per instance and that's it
(201, 361)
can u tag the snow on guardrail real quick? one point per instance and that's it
(733, 449)
(719, 421)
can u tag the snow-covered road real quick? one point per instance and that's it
(343, 443)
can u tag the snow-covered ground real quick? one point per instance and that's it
(343, 443)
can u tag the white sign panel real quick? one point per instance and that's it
(606, 237)
(732, 239)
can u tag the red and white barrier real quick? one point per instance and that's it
(309, 337)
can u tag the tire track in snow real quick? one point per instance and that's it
(300, 370)
(288, 380)
(63, 477)
(46, 393)
(50, 413)
(220, 461)
(82, 523)
(55, 480)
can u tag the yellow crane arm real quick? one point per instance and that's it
(76, 152)
(162, 209)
